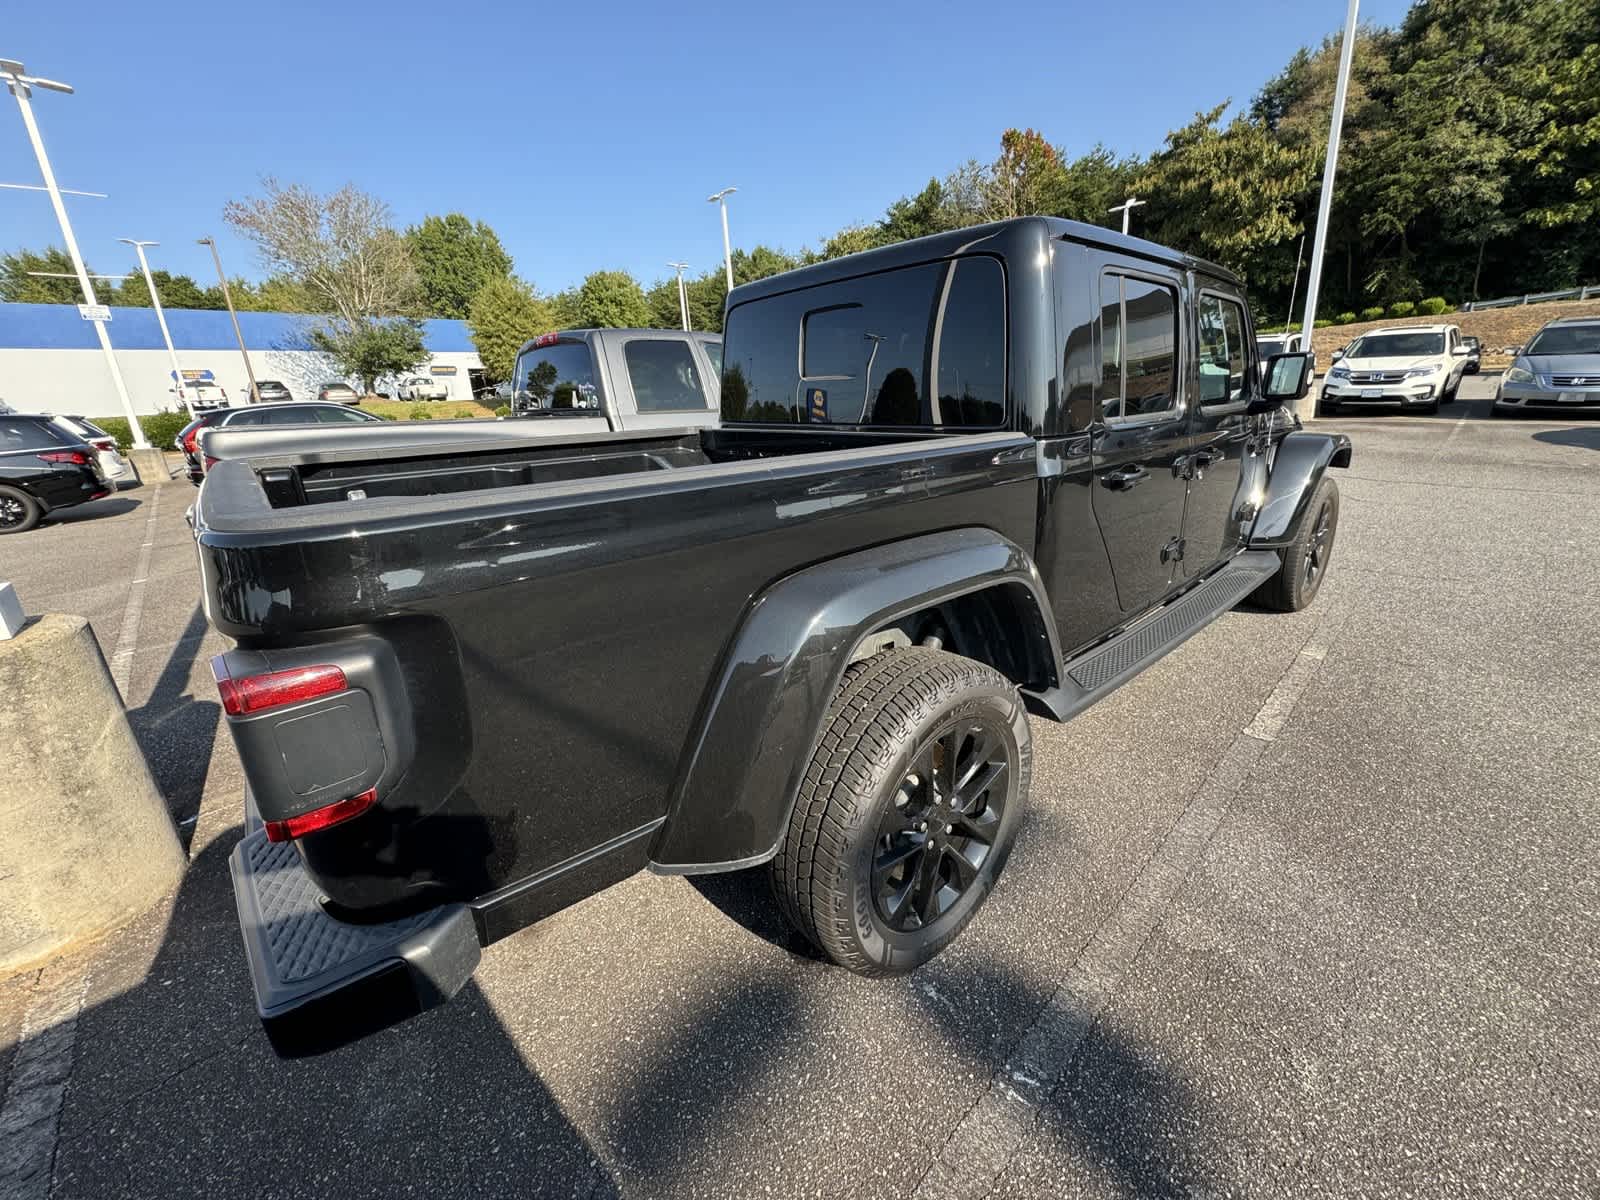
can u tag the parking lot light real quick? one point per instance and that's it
(21, 86)
(227, 298)
(161, 320)
(727, 247)
(683, 296)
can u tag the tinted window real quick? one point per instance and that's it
(289, 416)
(343, 416)
(558, 376)
(875, 350)
(1138, 347)
(663, 375)
(714, 353)
(1224, 363)
(1566, 339)
(244, 418)
(1396, 345)
(18, 434)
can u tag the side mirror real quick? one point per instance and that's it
(1514, 351)
(1286, 379)
(1460, 352)
(1337, 354)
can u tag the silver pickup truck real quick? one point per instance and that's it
(601, 380)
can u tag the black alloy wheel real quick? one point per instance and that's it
(934, 841)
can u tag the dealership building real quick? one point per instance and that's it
(51, 361)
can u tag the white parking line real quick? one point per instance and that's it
(128, 636)
(983, 1142)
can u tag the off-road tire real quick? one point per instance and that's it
(885, 714)
(11, 500)
(1296, 585)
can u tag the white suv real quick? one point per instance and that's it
(1413, 366)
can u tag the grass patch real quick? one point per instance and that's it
(437, 410)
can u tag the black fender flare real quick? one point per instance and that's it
(1298, 466)
(760, 719)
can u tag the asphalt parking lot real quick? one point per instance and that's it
(1310, 908)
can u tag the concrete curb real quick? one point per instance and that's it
(151, 464)
(86, 843)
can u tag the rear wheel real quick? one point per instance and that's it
(19, 512)
(1305, 561)
(907, 811)
(1327, 408)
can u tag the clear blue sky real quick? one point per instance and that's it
(589, 135)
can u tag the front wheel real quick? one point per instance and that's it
(19, 512)
(1305, 560)
(907, 811)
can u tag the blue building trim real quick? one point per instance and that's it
(59, 327)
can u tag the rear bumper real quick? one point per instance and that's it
(321, 982)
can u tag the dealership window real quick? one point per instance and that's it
(663, 375)
(1225, 376)
(1138, 347)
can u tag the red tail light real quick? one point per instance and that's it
(210, 461)
(189, 442)
(104, 444)
(320, 818)
(257, 693)
(76, 457)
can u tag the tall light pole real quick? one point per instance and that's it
(161, 320)
(1126, 209)
(1330, 166)
(227, 298)
(21, 86)
(727, 246)
(683, 296)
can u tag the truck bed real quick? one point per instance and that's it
(556, 611)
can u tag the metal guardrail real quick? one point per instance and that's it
(1582, 293)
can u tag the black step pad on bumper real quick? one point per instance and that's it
(320, 981)
(1098, 672)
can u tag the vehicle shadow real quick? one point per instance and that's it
(171, 724)
(176, 1093)
(93, 510)
(1586, 439)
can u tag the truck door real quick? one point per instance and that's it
(1142, 431)
(1226, 377)
(658, 380)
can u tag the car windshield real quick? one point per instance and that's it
(1396, 345)
(1566, 339)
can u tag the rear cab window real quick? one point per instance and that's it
(923, 345)
(555, 378)
(663, 375)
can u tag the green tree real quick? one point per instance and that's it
(504, 314)
(1093, 183)
(17, 284)
(612, 300)
(1027, 178)
(454, 258)
(369, 349)
(1224, 194)
(176, 291)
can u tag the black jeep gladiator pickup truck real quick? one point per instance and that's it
(960, 479)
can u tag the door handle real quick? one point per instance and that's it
(1124, 478)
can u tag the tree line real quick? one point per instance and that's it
(1469, 167)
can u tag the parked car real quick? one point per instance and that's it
(338, 393)
(1268, 345)
(1559, 368)
(203, 395)
(1412, 366)
(113, 466)
(297, 413)
(43, 467)
(944, 492)
(597, 380)
(1474, 355)
(269, 391)
(422, 387)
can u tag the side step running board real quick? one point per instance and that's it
(321, 982)
(1099, 671)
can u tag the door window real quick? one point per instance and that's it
(342, 416)
(26, 435)
(556, 377)
(714, 353)
(971, 345)
(1224, 358)
(1138, 347)
(663, 375)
